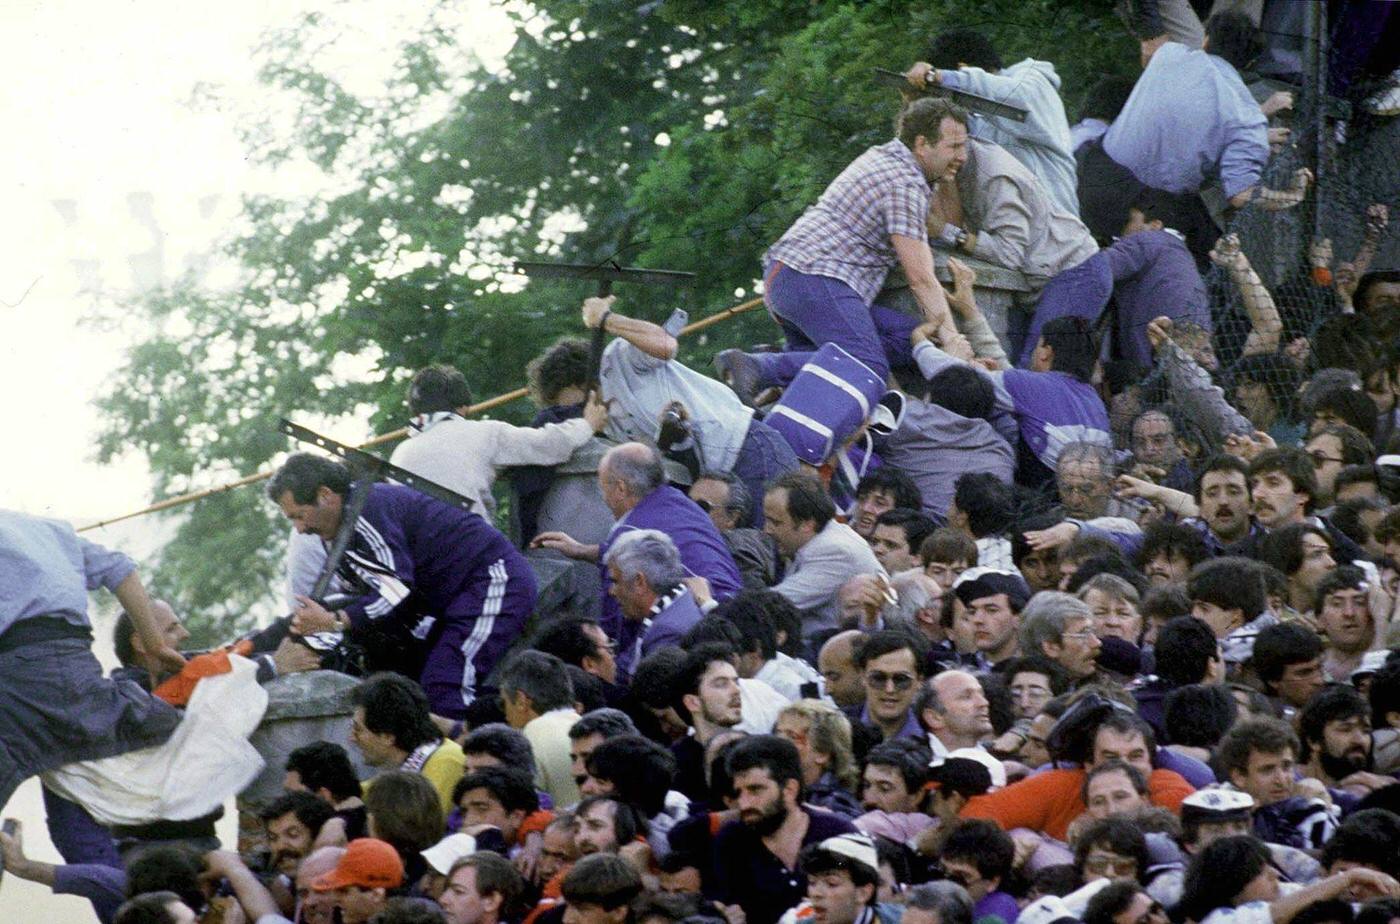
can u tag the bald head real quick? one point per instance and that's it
(843, 680)
(317, 863)
(629, 473)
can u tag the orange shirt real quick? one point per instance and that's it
(1047, 802)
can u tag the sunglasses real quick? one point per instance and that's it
(879, 680)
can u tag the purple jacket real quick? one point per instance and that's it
(413, 555)
(702, 548)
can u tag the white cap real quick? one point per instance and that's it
(449, 850)
(1218, 802)
(981, 756)
(1046, 910)
(857, 847)
(1371, 662)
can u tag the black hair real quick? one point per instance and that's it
(567, 640)
(147, 908)
(1197, 715)
(1119, 835)
(1185, 647)
(1280, 645)
(539, 676)
(1111, 901)
(1235, 38)
(589, 693)
(1020, 548)
(896, 483)
(1283, 547)
(325, 765)
(304, 473)
(909, 756)
(1221, 462)
(1370, 837)
(964, 391)
(696, 664)
(815, 860)
(438, 388)
(878, 644)
(807, 500)
(513, 787)
(506, 744)
(1384, 694)
(310, 810)
(1263, 735)
(739, 502)
(627, 821)
(775, 754)
(563, 365)
(122, 634)
(1106, 98)
(1034, 664)
(1276, 373)
(396, 706)
(1230, 582)
(602, 879)
(656, 676)
(1371, 280)
(1356, 447)
(749, 613)
(170, 869)
(916, 525)
(1072, 340)
(1219, 873)
(988, 502)
(1163, 538)
(1351, 404)
(1343, 577)
(714, 629)
(953, 48)
(1133, 774)
(1294, 464)
(640, 770)
(1330, 704)
(982, 843)
(406, 909)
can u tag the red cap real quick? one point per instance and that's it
(367, 863)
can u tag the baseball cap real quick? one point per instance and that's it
(368, 863)
(858, 848)
(977, 583)
(969, 771)
(447, 851)
(1216, 805)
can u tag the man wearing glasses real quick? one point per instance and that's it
(891, 664)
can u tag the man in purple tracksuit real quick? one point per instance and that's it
(438, 581)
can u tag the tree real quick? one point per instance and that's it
(681, 134)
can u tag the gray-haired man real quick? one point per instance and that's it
(646, 581)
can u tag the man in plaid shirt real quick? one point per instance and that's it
(822, 276)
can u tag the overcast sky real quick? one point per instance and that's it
(102, 148)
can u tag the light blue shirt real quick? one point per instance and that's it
(47, 569)
(1190, 120)
(1042, 142)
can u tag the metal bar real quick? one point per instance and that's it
(972, 102)
(488, 405)
(377, 468)
(603, 272)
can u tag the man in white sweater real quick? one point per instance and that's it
(464, 455)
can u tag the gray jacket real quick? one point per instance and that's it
(936, 447)
(814, 579)
(1016, 222)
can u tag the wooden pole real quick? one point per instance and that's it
(392, 436)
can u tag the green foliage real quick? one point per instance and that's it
(453, 170)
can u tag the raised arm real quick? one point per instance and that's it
(971, 322)
(650, 338)
(1265, 323)
(1349, 274)
(1192, 388)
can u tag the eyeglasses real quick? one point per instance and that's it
(879, 680)
(1321, 458)
(1023, 692)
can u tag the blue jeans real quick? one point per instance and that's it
(813, 310)
(763, 456)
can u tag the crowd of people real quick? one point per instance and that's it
(1087, 620)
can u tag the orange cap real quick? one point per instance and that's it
(367, 863)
